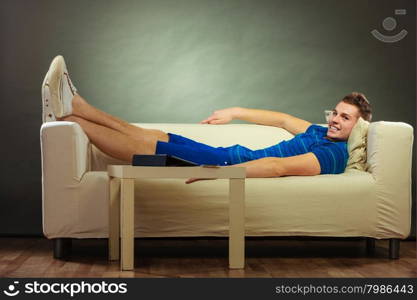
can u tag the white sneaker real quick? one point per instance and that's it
(61, 89)
(47, 114)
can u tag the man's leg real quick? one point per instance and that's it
(60, 99)
(81, 108)
(122, 146)
(113, 142)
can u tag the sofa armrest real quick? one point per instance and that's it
(389, 158)
(65, 151)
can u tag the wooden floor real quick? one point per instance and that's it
(290, 257)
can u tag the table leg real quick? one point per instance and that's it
(114, 218)
(237, 224)
(127, 224)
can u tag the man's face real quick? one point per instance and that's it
(342, 120)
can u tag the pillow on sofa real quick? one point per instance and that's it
(357, 145)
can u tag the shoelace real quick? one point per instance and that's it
(72, 87)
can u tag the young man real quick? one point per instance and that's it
(314, 149)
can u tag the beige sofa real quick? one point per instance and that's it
(374, 204)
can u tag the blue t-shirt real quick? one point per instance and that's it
(332, 156)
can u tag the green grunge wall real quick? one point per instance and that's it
(178, 60)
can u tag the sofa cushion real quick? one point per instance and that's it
(357, 145)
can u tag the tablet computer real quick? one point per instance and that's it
(160, 160)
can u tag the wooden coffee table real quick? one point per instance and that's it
(121, 212)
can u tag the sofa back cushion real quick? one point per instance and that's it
(248, 135)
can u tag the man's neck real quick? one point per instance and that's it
(332, 139)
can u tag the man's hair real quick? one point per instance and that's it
(359, 100)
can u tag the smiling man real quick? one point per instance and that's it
(313, 150)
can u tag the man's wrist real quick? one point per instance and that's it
(237, 113)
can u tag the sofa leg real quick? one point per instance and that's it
(394, 248)
(370, 246)
(62, 247)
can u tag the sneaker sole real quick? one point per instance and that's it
(47, 115)
(44, 98)
(56, 72)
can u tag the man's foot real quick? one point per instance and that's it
(57, 91)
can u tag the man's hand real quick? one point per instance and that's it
(222, 116)
(191, 180)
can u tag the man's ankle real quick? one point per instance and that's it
(77, 102)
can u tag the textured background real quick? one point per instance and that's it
(178, 60)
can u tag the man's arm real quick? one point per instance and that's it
(304, 164)
(258, 116)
